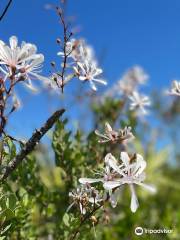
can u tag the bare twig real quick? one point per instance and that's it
(5, 10)
(31, 143)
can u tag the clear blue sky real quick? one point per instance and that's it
(123, 32)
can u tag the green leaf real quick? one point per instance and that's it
(66, 219)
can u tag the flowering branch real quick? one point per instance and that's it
(31, 143)
(66, 36)
(5, 10)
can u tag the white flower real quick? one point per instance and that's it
(131, 173)
(128, 83)
(175, 89)
(110, 135)
(83, 196)
(84, 62)
(139, 102)
(20, 61)
(55, 81)
(131, 79)
(88, 71)
(78, 50)
(137, 75)
(30, 70)
(109, 178)
(84, 52)
(69, 49)
(14, 55)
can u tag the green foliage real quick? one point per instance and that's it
(35, 199)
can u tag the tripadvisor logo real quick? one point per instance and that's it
(140, 231)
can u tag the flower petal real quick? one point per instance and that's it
(150, 188)
(125, 158)
(134, 200)
(108, 185)
(90, 180)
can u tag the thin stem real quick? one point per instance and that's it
(66, 37)
(5, 10)
(83, 221)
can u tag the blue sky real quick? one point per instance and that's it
(123, 33)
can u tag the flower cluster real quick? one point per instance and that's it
(129, 170)
(128, 87)
(121, 136)
(20, 63)
(83, 197)
(131, 80)
(175, 88)
(83, 62)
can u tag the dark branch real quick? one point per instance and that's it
(5, 10)
(31, 143)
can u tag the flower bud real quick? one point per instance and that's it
(93, 219)
(53, 64)
(58, 40)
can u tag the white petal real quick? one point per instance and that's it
(13, 41)
(148, 187)
(82, 78)
(140, 165)
(125, 158)
(113, 200)
(108, 185)
(100, 81)
(89, 180)
(111, 161)
(134, 200)
(101, 135)
(30, 86)
(93, 86)
(37, 76)
(108, 127)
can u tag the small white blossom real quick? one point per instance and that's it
(139, 102)
(84, 52)
(55, 81)
(175, 88)
(132, 79)
(84, 62)
(88, 71)
(131, 173)
(109, 178)
(129, 82)
(110, 135)
(16, 101)
(69, 49)
(78, 50)
(83, 196)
